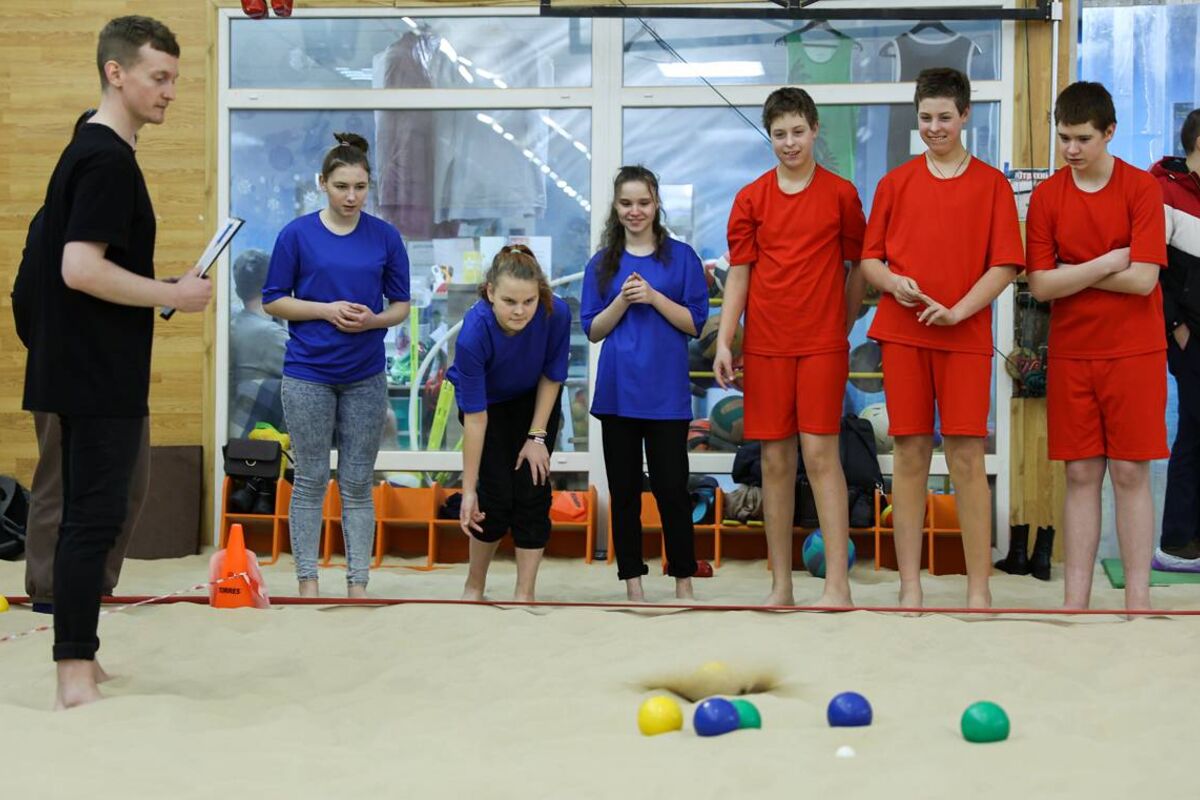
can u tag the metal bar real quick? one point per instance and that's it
(1041, 13)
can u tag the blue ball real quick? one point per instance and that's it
(848, 710)
(813, 553)
(715, 716)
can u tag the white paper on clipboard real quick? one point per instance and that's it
(219, 242)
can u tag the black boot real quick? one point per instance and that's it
(1043, 548)
(1017, 561)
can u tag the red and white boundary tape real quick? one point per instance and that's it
(128, 605)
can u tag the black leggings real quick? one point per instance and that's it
(509, 498)
(98, 456)
(666, 455)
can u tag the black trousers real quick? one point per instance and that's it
(98, 458)
(666, 455)
(508, 497)
(1181, 507)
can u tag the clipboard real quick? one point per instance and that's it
(212, 252)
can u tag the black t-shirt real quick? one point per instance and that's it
(89, 357)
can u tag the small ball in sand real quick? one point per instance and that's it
(3, 604)
(845, 751)
(715, 716)
(748, 716)
(849, 710)
(659, 714)
(984, 722)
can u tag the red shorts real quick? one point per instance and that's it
(914, 378)
(786, 395)
(1112, 407)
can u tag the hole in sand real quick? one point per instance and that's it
(714, 678)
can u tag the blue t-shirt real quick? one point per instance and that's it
(643, 370)
(311, 262)
(491, 366)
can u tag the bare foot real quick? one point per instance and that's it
(472, 593)
(780, 598)
(356, 591)
(983, 600)
(834, 599)
(98, 673)
(911, 596)
(524, 597)
(633, 590)
(683, 589)
(1138, 600)
(309, 589)
(76, 684)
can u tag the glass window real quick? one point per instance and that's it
(411, 53)
(1144, 54)
(783, 51)
(860, 142)
(458, 185)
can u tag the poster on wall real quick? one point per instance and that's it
(1023, 181)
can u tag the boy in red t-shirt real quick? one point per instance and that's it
(791, 233)
(1097, 239)
(942, 243)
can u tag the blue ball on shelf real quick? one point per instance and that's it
(813, 553)
(715, 716)
(849, 710)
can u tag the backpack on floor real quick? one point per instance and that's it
(14, 514)
(860, 463)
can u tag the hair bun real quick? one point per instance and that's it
(351, 140)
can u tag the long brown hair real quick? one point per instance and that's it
(612, 241)
(517, 261)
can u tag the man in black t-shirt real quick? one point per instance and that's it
(91, 323)
(46, 492)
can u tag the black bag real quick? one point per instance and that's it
(860, 462)
(14, 514)
(252, 458)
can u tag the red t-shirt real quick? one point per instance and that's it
(1070, 226)
(795, 245)
(944, 234)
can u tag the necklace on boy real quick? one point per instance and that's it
(953, 172)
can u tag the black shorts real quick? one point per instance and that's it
(508, 497)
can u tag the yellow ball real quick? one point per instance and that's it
(3, 604)
(659, 714)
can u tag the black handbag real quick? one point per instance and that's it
(14, 513)
(252, 458)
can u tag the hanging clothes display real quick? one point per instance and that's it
(404, 139)
(912, 55)
(839, 124)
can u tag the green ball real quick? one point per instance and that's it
(984, 722)
(748, 716)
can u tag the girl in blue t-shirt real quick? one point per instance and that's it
(329, 274)
(644, 295)
(510, 361)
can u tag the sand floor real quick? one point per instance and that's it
(429, 701)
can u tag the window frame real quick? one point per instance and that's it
(606, 98)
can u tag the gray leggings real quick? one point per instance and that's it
(313, 412)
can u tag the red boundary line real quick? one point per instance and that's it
(399, 601)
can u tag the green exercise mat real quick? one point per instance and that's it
(1115, 571)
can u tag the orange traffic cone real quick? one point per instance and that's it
(236, 560)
